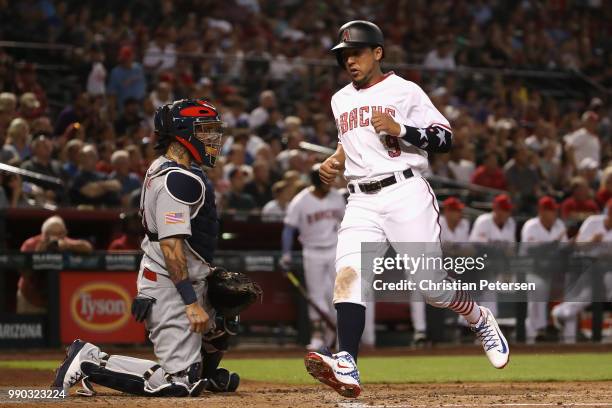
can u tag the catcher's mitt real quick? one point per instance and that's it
(231, 292)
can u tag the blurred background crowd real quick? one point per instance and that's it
(525, 84)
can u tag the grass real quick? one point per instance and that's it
(443, 369)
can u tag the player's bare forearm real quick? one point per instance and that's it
(174, 255)
(339, 155)
(332, 166)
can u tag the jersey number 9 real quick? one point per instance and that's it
(393, 146)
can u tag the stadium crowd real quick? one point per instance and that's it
(266, 66)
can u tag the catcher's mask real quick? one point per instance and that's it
(195, 124)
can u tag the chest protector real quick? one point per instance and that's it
(204, 223)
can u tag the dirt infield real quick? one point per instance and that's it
(253, 394)
(262, 394)
(256, 394)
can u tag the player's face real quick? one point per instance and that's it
(501, 215)
(360, 63)
(452, 216)
(548, 217)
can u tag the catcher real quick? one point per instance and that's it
(190, 308)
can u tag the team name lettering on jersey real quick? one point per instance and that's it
(322, 215)
(359, 117)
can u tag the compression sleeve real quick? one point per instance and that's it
(435, 138)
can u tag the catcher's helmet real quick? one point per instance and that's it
(357, 34)
(194, 123)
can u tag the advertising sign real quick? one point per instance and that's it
(95, 306)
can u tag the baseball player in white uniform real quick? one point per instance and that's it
(386, 126)
(316, 213)
(595, 229)
(454, 227)
(546, 227)
(496, 226)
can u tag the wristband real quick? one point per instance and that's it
(186, 291)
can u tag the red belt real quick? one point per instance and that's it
(149, 274)
(152, 276)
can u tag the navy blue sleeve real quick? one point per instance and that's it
(435, 139)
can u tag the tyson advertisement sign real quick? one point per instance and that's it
(96, 307)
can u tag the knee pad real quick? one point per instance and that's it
(223, 381)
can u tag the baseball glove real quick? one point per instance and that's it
(231, 292)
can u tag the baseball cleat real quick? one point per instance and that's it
(492, 339)
(339, 371)
(69, 372)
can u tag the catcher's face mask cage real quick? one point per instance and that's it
(208, 137)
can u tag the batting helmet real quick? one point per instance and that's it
(357, 34)
(195, 124)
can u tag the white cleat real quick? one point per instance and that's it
(339, 371)
(493, 341)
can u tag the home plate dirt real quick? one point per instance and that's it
(259, 394)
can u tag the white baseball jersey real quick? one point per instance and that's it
(592, 226)
(485, 230)
(461, 233)
(534, 231)
(317, 219)
(369, 154)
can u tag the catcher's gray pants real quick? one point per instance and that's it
(176, 347)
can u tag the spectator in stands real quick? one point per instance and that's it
(70, 155)
(127, 80)
(550, 167)
(584, 142)
(461, 162)
(236, 159)
(105, 150)
(29, 107)
(96, 79)
(236, 116)
(129, 120)
(160, 54)
(236, 198)
(78, 112)
(42, 163)
(274, 211)
(41, 126)
(132, 233)
(120, 162)
(137, 165)
(11, 190)
(579, 205)
(523, 181)
(605, 188)
(489, 174)
(588, 169)
(90, 187)
(8, 111)
(162, 94)
(27, 81)
(17, 144)
(442, 56)
(260, 115)
(259, 188)
(32, 286)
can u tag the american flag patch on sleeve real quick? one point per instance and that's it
(174, 218)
